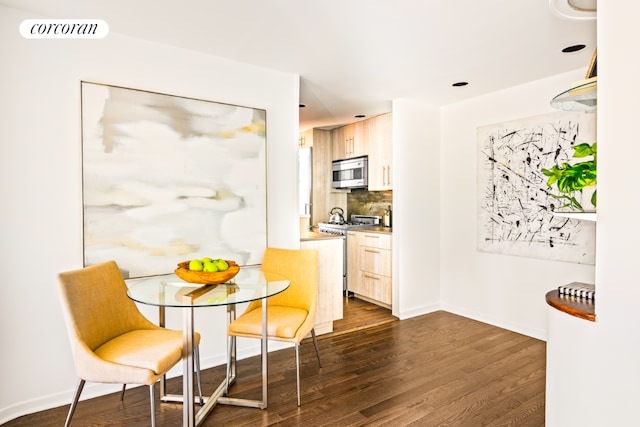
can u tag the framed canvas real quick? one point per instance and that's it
(592, 71)
(515, 204)
(169, 178)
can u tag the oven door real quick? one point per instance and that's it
(351, 173)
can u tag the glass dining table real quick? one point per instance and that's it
(169, 290)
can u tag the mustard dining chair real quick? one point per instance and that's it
(111, 341)
(291, 314)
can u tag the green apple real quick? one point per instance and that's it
(222, 265)
(196, 265)
(206, 260)
(210, 267)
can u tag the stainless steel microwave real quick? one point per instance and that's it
(351, 173)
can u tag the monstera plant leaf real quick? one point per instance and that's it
(571, 179)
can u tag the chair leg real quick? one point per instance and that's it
(230, 361)
(124, 387)
(76, 397)
(198, 377)
(315, 344)
(153, 406)
(298, 372)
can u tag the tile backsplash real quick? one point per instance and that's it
(363, 202)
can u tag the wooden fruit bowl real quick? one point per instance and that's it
(205, 278)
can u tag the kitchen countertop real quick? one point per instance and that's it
(376, 229)
(310, 235)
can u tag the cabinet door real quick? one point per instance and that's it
(329, 305)
(348, 137)
(375, 261)
(305, 139)
(380, 153)
(360, 140)
(376, 240)
(339, 143)
(376, 287)
(321, 202)
(351, 141)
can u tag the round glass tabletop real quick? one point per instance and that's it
(169, 290)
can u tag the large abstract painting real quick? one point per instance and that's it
(514, 202)
(167, 179)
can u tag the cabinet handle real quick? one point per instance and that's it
(372, 251)
(389, 175)
(384, 176)
(368, 276)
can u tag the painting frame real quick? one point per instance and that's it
(592, 71)
(515, 206)
(168, 178)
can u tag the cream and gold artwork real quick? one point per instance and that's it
(169, 178)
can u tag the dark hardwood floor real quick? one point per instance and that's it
(358, 314)
(438, 369)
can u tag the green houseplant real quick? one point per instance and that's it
(572, 179)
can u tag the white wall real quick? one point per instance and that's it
(435, 253)
(503, 290)
(416, 211)
(595, 365)
(40, 178)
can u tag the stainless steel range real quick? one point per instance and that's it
(357, 221)
(340, 229)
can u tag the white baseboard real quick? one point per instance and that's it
(419, 311)
(500, 323)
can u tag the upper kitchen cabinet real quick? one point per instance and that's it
(305, 139)
(318, 177)
(380, 153)
(351, 140)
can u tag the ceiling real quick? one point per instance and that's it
(355, 56)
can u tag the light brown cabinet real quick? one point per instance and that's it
(371, 137)
(329, 306)
(369, 266)
(350, 141)
(322, 199)
(380, 153)
(305, 139)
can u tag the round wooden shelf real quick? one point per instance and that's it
(578, 307)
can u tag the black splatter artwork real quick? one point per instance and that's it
(516, 209)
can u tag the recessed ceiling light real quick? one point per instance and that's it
(584, 5)
(302, 105)
(460, 84)
(574, 48)
(359, 116)
(574, 9)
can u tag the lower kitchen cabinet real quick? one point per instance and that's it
(369, 266)
(330, 261)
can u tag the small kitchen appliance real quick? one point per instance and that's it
(350, 173)
(336, 216)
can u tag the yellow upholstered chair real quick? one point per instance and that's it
(291, 314)
(111, 341)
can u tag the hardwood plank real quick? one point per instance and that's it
(432, 370)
